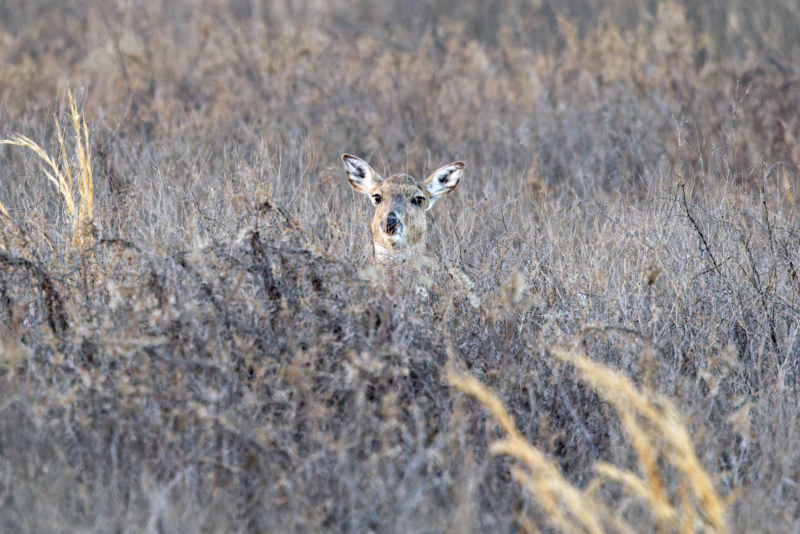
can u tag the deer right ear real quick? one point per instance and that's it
(360, 174)
(443, 181)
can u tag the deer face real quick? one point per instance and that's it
(399, 227)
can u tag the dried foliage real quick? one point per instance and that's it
(666, 436)
(80, 212)
(193, 337)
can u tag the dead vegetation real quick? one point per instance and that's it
(193, 338)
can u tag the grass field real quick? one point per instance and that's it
(193, 337)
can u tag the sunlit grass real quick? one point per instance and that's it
(695, 505)
(78, 201)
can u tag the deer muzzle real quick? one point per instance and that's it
(392, 224)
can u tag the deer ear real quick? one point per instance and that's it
(360, 174)
(443, 181)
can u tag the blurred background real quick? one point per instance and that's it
(579, 95)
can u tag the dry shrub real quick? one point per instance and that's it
(219, 355)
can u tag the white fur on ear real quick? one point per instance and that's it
(443, 181)
(360, 174)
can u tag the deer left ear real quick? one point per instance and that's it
(360, 175)
(443, 181)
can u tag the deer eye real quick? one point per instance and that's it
(417, 201)
(376, 198)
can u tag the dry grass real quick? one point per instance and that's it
(80, 212)
(193, 339)
(565, 507)
(666, 436)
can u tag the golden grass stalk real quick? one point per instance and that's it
(569, 509)
(85, 182)
(544, 482)
(5, 218)
(668, 429)
(664, 512)
(655, 494)
(54, 175)
(62, 178)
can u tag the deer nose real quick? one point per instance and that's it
(392, 223)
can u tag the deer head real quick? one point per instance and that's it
(399, 227)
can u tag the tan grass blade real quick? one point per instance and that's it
(544, 481)
(84, 171)
(64, 158)
(82, 214)
(56, 176)
(623, 395)
(648, 455)
(636, 487)
(5, 218)
(663, 435)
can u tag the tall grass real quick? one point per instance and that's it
(77, 195)
(193, 337)
(694, 504)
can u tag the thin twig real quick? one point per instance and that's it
(696, 227)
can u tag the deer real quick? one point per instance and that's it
(399, 225)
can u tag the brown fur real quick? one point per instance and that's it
(404, 200)
(397, 193)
